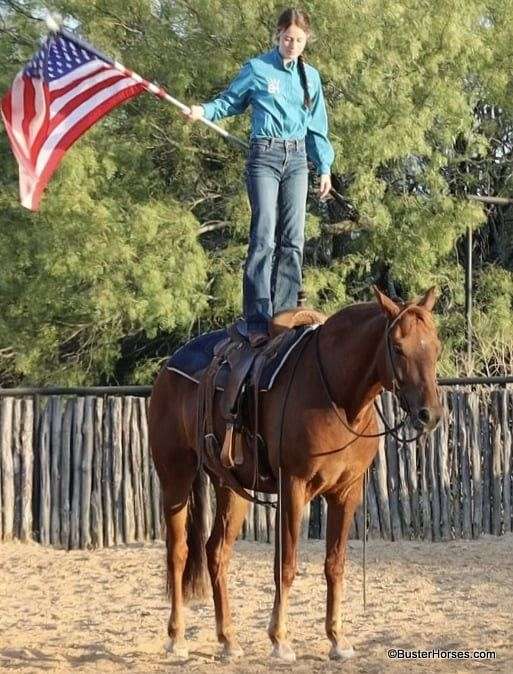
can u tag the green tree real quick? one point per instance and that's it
(140, 242)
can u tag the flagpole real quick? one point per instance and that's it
(55, 28)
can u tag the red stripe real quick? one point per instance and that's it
(75, 132)
(17, 151)
(56, 93)
(43, 130)
(68, 109)
(29, 108)
(6, 107)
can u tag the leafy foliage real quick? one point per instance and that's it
(141, 237)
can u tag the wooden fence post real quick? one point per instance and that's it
(45, 474)
(97, 516)
(27, 467)
(66, 443)
(7, 468)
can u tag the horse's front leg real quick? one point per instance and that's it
(340, 515)
(292, 504)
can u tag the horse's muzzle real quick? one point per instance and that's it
(427, 419)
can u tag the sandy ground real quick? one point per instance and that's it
(106, 610)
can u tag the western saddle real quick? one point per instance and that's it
(239, 401)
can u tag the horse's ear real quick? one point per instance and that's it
(388, 306)
(427, 301)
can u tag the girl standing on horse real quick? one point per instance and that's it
(288, 126)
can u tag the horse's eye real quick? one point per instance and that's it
(397, 349)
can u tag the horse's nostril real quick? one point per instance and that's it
(424, 415)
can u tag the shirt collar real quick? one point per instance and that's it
(279, 60)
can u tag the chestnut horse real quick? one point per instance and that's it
(324, 439)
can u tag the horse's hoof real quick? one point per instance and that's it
(338, 652)
(231, 652)
(283, 651)
(178, 648)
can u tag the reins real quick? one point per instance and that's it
(396, 389)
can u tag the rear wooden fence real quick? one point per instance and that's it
(76, 472)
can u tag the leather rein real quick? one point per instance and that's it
(396, 389)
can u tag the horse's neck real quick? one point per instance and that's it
(351, 343)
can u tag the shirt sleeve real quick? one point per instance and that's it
(234, 99)
(318, 147)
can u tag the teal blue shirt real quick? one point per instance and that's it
(276, 97)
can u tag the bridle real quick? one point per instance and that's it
(396, 388)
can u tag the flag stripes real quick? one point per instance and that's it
(60, 94)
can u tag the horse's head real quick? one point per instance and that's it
(410, 352)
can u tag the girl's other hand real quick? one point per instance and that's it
(325, 186)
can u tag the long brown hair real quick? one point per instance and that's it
(301, 19)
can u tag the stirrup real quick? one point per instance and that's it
(227, 449)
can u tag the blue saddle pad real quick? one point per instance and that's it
(193, 357)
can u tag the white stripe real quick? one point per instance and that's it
(18, 113)
(76, 116)
(77, 74)
(60, 102)
(27, 187)
(40, 108)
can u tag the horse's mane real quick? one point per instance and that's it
(361, 310)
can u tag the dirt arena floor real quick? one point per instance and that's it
(106, 610)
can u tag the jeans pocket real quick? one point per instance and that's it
(259, 147)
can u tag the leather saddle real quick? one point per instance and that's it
(239, 397)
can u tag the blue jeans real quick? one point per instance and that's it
(277, 183)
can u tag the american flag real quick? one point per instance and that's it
(61, 92)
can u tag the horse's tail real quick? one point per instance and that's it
(196, 582)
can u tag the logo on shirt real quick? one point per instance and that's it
(273, 85)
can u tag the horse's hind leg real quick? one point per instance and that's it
(230, 512)
(171, 434)
(175, 497)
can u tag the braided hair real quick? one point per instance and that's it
(301, 19)
(304, 83)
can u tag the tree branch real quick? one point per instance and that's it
(490, 200)
(20, 10)
(213, 225)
